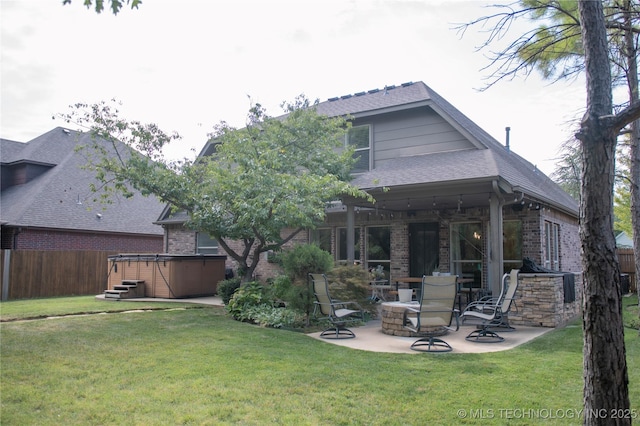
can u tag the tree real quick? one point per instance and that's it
(605, 369)
(116, 5)
(265, 183)
(622, 191)
(568, 169)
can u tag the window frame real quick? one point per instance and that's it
(357, 255)
(552, 245)
(457, 265)
(317, 239)
(206, 249)
(509, 264)
(372, 263)
(362, 149)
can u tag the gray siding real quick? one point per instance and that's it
(414, 132)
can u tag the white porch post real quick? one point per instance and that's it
(495, 258)
(350, 234)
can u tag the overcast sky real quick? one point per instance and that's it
(186, 65)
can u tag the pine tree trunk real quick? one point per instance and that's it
(605, 368)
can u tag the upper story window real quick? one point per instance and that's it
(359, 137)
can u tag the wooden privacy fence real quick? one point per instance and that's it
(29, 274)
(627, 266)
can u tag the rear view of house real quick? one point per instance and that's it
(449, 197)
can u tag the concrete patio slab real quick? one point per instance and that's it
(371, 338)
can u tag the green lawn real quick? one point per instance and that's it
(197, 366)
(39, 308)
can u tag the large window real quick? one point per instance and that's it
(206, 244)
(552, 246)
(379, 248)
(466, 249)
(359, 138)
(512, 244)
(342, 244)
(322, 237)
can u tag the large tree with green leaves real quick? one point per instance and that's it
(568, 43)
(114, 5)
(264, 184)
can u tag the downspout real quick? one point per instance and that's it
(496, 256)
(14, 239)
(351, 247)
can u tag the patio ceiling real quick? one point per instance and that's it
(427, 196)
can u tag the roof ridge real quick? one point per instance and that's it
(386, 89)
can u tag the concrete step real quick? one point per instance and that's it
(115, 294)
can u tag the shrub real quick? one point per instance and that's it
(270, 316)
(304, 259)
(351, 282)
(253, 302)
(226, 289)
(248, 295)
(298, 263)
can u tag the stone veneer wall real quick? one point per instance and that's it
(540, 301)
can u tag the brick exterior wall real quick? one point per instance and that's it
(179, 240)
(38, 239)
(569, 249)
(182, 241)
(535, 293)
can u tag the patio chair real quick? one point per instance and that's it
(492, 313)
(434, 316)
(339, 313)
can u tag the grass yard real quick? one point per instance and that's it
(197, 366)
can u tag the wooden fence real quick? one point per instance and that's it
(627, 266)
(29, 274)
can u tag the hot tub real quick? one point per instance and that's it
(169, 275)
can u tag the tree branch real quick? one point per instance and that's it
(624, 117)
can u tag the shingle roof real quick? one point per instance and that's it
(51, 199)
(490, 160)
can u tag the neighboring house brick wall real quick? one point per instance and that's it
(36, 239)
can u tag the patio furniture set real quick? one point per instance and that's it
(429, 317)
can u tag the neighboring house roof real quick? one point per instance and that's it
(490, 160)
(623, 240)
(51, 197)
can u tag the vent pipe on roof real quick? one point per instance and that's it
(507, 129)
